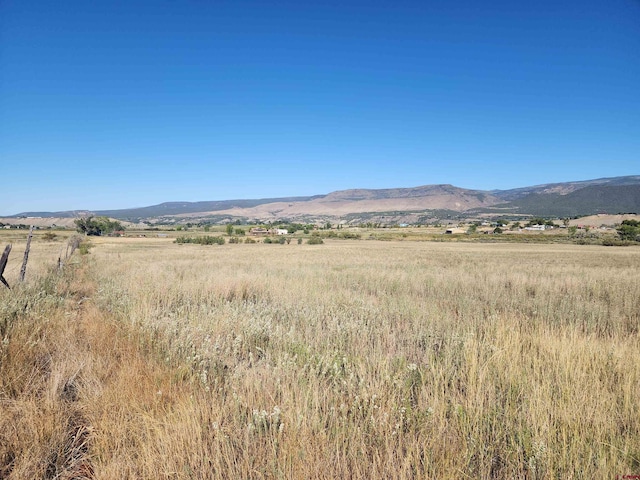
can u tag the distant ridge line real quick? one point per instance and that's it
(583, 197)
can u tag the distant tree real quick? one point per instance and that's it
(229, 229)
(629, 230)
(97, 225)
(536, 221)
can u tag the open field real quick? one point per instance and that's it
(352, 359)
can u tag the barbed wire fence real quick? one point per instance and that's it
(72, 245)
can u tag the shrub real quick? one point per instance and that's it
(234, 240)
(350, 236)
(84, 248)
(49, 236)
(249, 240)
(315, 240)
(614, 242)
(204, 240)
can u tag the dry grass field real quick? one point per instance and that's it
(352, 359)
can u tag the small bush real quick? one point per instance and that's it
(49, 236)
(84, 248)
(234, 240)
(315, 241)
(268, 240)
(614, 242)
(249, 240)
(349, 236)
(299, 241)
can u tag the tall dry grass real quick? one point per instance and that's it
(352, 360)
(391, 360)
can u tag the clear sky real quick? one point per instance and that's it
(116, 104)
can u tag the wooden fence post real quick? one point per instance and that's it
(3, 264)
(23, 270)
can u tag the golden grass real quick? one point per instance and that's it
(344, 360)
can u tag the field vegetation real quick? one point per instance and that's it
(147, 358)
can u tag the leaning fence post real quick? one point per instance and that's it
(3, 264)
(23, 270)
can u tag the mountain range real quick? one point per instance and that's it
(397, 205)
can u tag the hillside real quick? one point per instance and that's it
(565, 187)
(585, 201)
(411, 205)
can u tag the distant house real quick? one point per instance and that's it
(280, 231)
(258, 231)
(451, 231)
(536, 228)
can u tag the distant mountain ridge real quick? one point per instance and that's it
(586, 197)
(565, 187)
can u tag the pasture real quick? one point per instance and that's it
(351, 359)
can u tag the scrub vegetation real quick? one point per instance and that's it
(351, 359)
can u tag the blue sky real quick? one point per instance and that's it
(121, 104)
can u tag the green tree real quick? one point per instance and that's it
(629, 230)
(97, 225)
(229, 229)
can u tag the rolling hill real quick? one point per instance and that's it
(417, 204)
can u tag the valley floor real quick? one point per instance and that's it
(351, 359)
